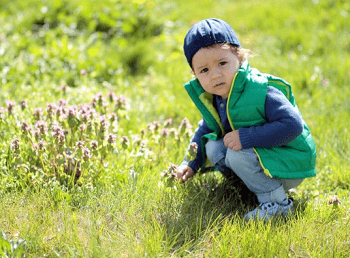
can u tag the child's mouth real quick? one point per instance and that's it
(220, 84)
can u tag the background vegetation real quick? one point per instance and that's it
(92, 112)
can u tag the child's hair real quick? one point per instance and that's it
(241, 53)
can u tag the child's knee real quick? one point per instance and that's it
(244, 158)
(214, 151)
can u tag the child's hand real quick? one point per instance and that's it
(232, 141)
(184, 173)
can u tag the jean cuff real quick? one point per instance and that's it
(277, 195)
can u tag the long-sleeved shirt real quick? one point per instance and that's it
(283, 125)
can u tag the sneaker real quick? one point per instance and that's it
(267, 210)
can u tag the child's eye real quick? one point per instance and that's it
(223, 63)
(204, 70)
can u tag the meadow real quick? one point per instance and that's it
(94, 116)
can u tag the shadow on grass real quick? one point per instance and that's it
(207, 201)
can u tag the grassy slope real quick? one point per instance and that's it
(303, 42)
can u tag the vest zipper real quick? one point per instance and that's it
(266, 171)
(228, 101)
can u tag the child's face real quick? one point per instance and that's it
(215, 68)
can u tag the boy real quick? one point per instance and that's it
(251, 124)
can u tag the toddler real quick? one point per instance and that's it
(251, 124)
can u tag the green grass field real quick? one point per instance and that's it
(91, 107)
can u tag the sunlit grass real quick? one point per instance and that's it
(130, 211)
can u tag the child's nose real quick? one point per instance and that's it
(216, 74)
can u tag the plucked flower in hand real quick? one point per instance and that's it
(192, 152)
(169, 176)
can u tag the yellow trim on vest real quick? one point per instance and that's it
(266, 171)
(228, 101)
(207, 100)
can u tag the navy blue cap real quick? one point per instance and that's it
(208, 32)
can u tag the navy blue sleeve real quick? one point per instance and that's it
(201, 130)
(283, 124)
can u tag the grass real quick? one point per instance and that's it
(130, 210)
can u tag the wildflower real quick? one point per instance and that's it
(82, 127)
(94, 103)
(83, 72)
(103, 123)
(111, 96)
(168, 122)
(25, 127)
(94, 145)
(335, 201)
(99, 99)
(193, 149)
(36, 134)
(111, 138)
(173, 132)
(156, 125)
(185, 124)
(85, 117)
(86, 153)
(125, 142)
(59, 111)
(58, 133)
(62, 103)
(15, 144)
(113, 117)
(192, 152)
(50, 108)
(42, 145)
(164, 132)
(72, 112)
(80, 144)
(24, 104)
(143, 144)
(64, 87)
(150, 126)
(136, 139)
(35, 148)
(38, 113)
(56, 130)
(10, 105)
(61, 137)
(41, 125)
(120, 103)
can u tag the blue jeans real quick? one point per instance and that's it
(245, 164)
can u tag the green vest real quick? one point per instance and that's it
(245, 108)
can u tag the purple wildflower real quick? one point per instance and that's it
(10, 105)
(38, 112)
(111, 96)
(25, 127)
(83, 72)
(86, 153)
(24, 104)
(41, 125)
(112, 138)
(168, 122)
(15, 144)
(94, 145)
(80, 144)
(113, 117)
(62, 102)
(42, 145)
(64, 87)
(164, 132)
